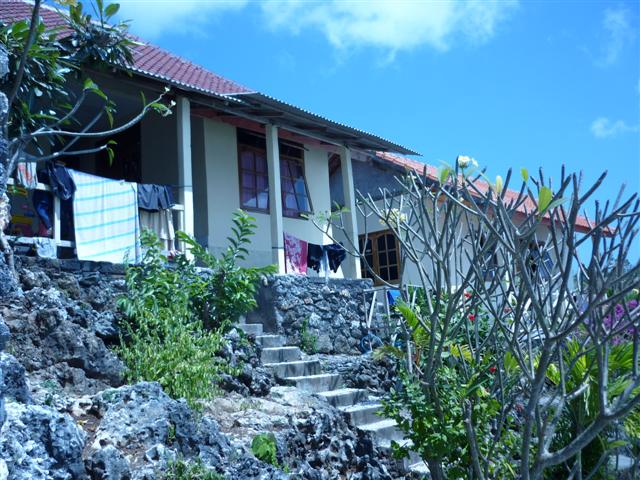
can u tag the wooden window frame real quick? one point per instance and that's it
(301, 163)
(241, 170)
(375, 254)
(283, 157)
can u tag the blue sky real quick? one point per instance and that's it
(513, 84)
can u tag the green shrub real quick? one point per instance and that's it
(181, 470)
(164, 340)
(228, 290)
(308, 341)
(264, 448)
(176, 316)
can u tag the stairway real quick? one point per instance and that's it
(362, 411)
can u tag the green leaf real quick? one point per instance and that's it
(89, 84)
(109, 116)
(525, 174)
(111, 9)
(556, 203)
(444, 174)
(544, 199)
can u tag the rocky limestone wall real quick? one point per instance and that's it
(335, 311)
(64, 413)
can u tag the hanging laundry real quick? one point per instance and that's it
(26, 175)
(43, 205)
(336, 255)
(161, 223)
(155, 197)
(60, 181)
(314, 256)
(295, 254)
(105, 214)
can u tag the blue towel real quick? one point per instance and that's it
(393, 296)
(105, 216)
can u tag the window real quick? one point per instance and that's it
(254, 177)
(295, 195)
(382, 253)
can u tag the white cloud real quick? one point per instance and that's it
(618, 33)
(152, 18)
(391, 25)
(602, 127)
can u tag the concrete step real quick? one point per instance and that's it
(414, 458)
(269, 341)
(280, 354)
(251, 328)
(344, 397)
(363, 413)
(298, 368)
(317, 383)
(384, 430)
(421, 469)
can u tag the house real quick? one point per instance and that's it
(228, 147)
(225, 147)
(382, 250)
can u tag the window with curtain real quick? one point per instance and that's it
(254, 177)
(382, 253)
(295, 194)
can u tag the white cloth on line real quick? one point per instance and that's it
(161, 223)
(26, 174)
(105, 217)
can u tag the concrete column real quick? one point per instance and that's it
(351, 265)
(275, 197)
(183, 122)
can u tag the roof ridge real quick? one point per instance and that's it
(581, 220)
(156, 61)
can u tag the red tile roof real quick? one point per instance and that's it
(149, 59)
(528, 206)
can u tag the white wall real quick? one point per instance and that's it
(411, 275)
(223, 193)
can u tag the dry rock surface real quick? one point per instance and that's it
(313, 439)
(66, 414)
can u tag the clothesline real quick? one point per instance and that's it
(301, 255)
(107, 214)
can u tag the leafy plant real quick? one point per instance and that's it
(227, 290)
(466, 388)
(164, 340)
(45, 87)
(194, 470)
(581, 411)
(264, 447)
(308, 341)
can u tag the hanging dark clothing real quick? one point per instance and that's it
(60, 181)
(155, 197)
(336, 255)
(43, 206)
(314, 256)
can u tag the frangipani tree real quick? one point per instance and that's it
(518, 371)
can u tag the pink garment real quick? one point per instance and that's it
(295, 254)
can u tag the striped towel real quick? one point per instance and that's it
(105, 216)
